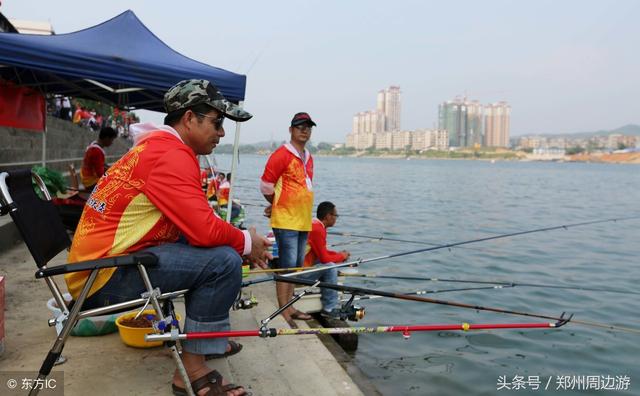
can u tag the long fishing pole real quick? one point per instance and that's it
(353, 242)
(502, 283)
(404, 329)
(365, 291)
(422, 292)
(448, 245)
(383, 238)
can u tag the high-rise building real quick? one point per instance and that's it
(392, 108)
(380, 101)
(463, 121)
(474, 133)
(385, 117)
(497, 122)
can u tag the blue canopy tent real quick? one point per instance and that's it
(120, 62)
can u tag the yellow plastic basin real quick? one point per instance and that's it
(134, 336)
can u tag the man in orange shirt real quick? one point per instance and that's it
(151, 200)
(287, 184)
(93, 162)
(318, 254)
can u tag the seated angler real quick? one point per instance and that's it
(318, 254)
(151, 200)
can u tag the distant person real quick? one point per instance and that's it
(224, 188)
(65, 109)
(77, 114)
(287, 185)
(93, 165)
(57, 101)
(223, 197)
(318, 254)
(214, 185)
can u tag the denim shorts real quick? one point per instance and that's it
(291, 247)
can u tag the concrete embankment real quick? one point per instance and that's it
(286, 365)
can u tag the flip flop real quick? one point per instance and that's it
(211, 380)
(235, 348)
(299, 315)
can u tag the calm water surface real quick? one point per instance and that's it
(443, 201)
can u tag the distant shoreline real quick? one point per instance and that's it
(605, 158)
(612, 158)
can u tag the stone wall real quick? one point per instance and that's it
(64, 141)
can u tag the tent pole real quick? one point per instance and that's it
(234, 166)
(44, 146)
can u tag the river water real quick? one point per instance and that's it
(444, 201)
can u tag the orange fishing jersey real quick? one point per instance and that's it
(289, 178)
(223, 193)
(149, 197)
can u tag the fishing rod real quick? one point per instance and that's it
(448, 245)
(422, 292)
(502, 283)
(383, 238)
(363, 291)
(252, 204)
(404, 329)
(273, 270)
(354, 313)
(352, 242)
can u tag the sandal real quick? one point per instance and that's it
(299, 315)
(235, 348)
(211, 380)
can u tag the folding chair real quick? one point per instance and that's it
(44, 234)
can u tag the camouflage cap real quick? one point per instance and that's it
(188, 93)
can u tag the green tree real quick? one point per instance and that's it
(322, 146)
(574, 150)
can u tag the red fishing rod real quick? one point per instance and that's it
(406, 330)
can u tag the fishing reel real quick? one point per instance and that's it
(244, 302)
(351, 312)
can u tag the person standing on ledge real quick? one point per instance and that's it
(287, 183)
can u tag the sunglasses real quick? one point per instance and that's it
(217, 122)
(303, 128)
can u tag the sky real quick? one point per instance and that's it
(563, 66)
